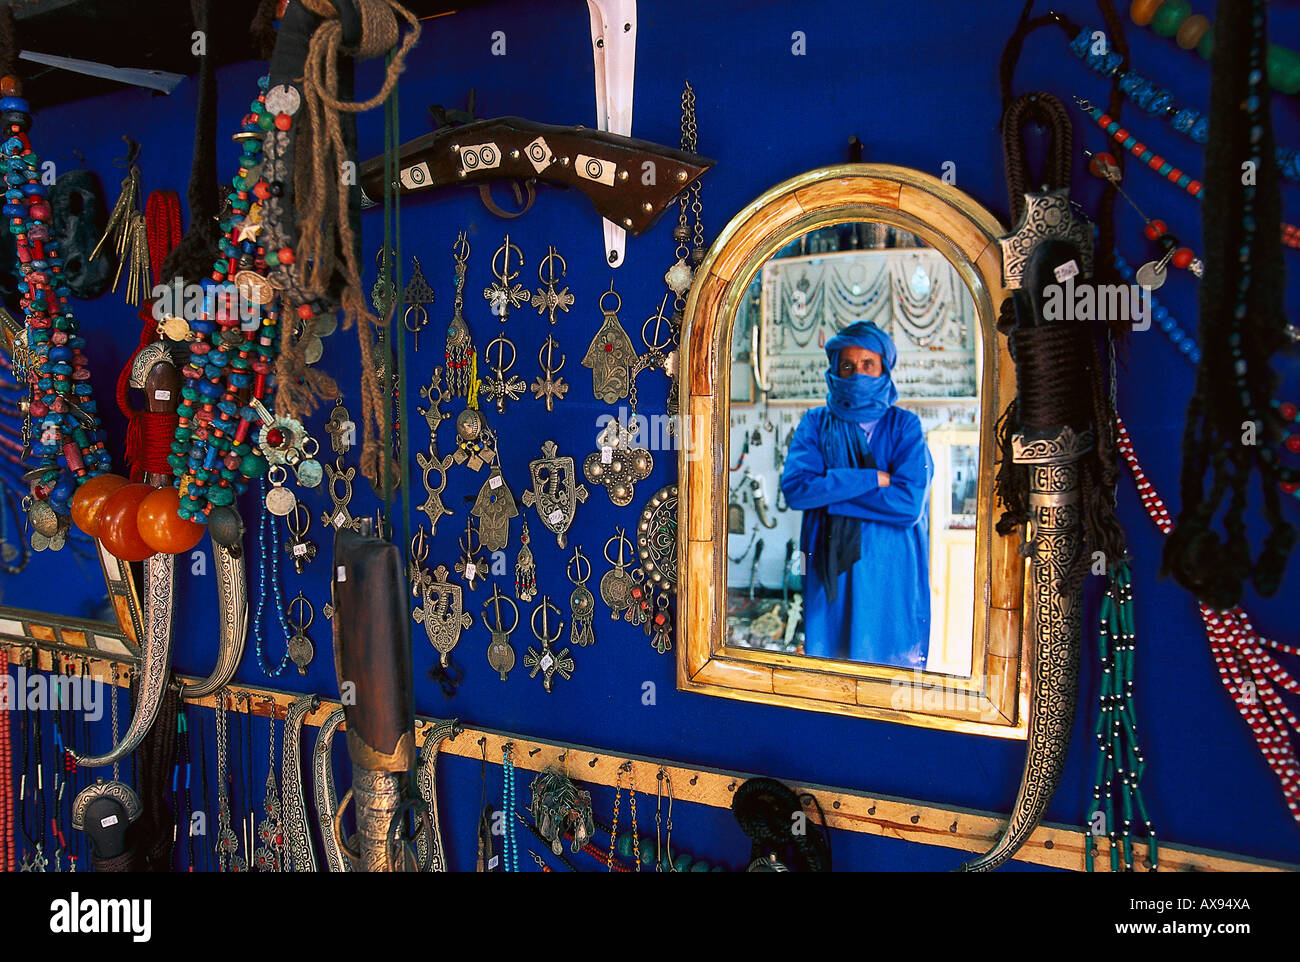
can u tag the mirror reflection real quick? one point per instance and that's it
(854, 453)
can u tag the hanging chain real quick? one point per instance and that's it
(668, 845)
(636, 839)
(223, 803)
(112, 713)
(659, 802)
(684, 232)
(613, 827)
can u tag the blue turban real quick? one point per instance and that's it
(861, 398)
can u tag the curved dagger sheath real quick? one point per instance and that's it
(232, 605)
(324, 793)
(429, 851)
(297, 838)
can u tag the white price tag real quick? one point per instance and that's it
(470, 571)
(1069, 269)
(492, 863)
(108, 821)
(556, 516)
(341, 574)
(494, 481)
(162, 395)
(606, 455)
(340, 520)
(299, 549)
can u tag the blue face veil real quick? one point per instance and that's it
(851, 401)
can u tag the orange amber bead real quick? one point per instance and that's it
(1143, 10)
(88, 502)
(118, 530)
(161, 527)
(10, 86)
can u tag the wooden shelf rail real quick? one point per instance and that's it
(926, 823)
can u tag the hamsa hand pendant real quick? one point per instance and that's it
(442, 612)
(494, 508)
(556, 491)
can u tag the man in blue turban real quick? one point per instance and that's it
(859, 470)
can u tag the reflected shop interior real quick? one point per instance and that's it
(861, 548)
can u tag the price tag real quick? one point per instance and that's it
(162, 395)
(556, 516)
(341, 574)
(606, 455)
(494, 481)
(1069, 269)
(108, 821)
(340, 520)
(300, 549)
(470, 571)
(492, 863)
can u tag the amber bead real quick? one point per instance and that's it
(161, 528)
(118, 530)
(1142, 11)
(87, 504)
(1192, 30)
(10, 86)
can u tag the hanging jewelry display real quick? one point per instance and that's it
(461, 373)
(340, 517)
(656, 541)
(475, 442)
(299, 548)
(505, 293)
(227, 841)
(555, 491)
(499, 653)
(610, 354)
(525, 569)
(416, 295)
(442, 612)
(547, 385)
(280, 501)
(494, 507)
(660, 355)
(471, 564)
(616, 584)
(561, 810)
(300, 614)
(581, 601)
(681, 274)
(618, 466)
(546, 661)
(510, 855)
(548, 300)
(499, 387)
(126, 225)
(431, 463)
(270, 831)
(341, 428)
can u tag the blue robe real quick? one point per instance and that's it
(881, 613)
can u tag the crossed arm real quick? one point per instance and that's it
(896, 496)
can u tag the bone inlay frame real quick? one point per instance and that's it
(994, 699)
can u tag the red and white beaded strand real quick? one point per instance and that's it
(1247, 669)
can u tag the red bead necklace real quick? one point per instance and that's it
(1247, 667)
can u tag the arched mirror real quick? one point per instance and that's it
(844, 375)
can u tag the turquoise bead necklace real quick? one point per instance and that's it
(510, 854)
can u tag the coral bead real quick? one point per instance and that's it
(1155, 228)
(1182, 257)
(87, 504)
(286, 255)
(161, 527)
(118, 530)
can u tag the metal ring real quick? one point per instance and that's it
(270, 475)
(552, 254)
(601, 303)
(498, 597)
(620, 536)
(303, 604)
(576, 561)
(502, 366)
(308, 439)
(532, 622)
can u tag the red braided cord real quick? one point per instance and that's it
(1247, 670)
(162, 221)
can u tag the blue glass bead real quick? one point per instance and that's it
(37, 189)
(18, 104)
(15, 210)
(1200, 131)
(239, 381)
(1176, 334)
(1080, 45)
(210, 390)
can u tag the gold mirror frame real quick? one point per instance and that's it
(994, 699)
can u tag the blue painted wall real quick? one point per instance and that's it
(918, 83)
